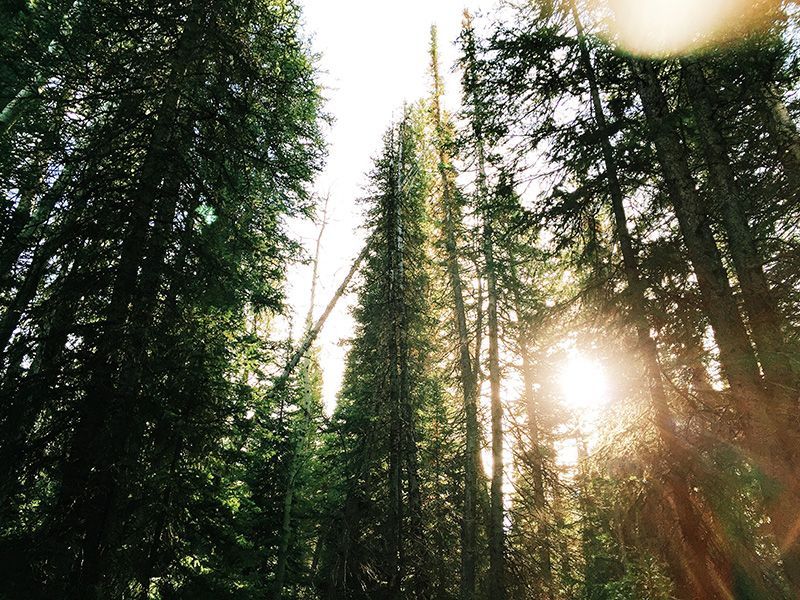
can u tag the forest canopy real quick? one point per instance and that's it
(574, 371)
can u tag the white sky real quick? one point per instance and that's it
(374, 58)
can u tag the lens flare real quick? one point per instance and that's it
(671, 27)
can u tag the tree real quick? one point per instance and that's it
(451, 222)
(376, 543)
(478, 142)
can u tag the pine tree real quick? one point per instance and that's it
(479, 142)
(451, 223)
(377, 544)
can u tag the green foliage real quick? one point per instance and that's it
(147, 183)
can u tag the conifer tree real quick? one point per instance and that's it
(451, 224)
(478, 142)
(376, 544)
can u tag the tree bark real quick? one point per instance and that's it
(396, 360)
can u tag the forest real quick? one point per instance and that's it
(575, 366)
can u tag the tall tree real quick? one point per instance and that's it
(451, 223)
(191, 132)
(376, 544)
(474, 101)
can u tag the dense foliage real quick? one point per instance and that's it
(148, 172)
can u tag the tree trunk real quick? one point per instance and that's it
(14, 108)
(736, 353)
(29, 393)
(676, 455)
(759, 302)
(497, 511)
(497, 568)
(395, 263)
(773, 445)
(782, 130)
(312, 333)
(36, 270)
(467, 375)
(305, 426)
(536, 460)
(12, 229)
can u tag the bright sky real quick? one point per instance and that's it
(374, 57)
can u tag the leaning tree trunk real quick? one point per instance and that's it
(27, 94)
(771, 443)
(677, 456)
(736, 354)
(759, 301)
(312, 333)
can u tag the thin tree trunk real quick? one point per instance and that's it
(313, 332)
(416, 533)
(12, 228)
(35, 271)
(302, 441)
(15, 107)
(30, 392)
(14, 246)
(497, 568)
(782, 129)
(467, 375)
(497, 511)
(395, 264)
(536, 460)
(286, 517)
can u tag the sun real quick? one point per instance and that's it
(583, 383)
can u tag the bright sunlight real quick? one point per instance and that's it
(583, 383)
